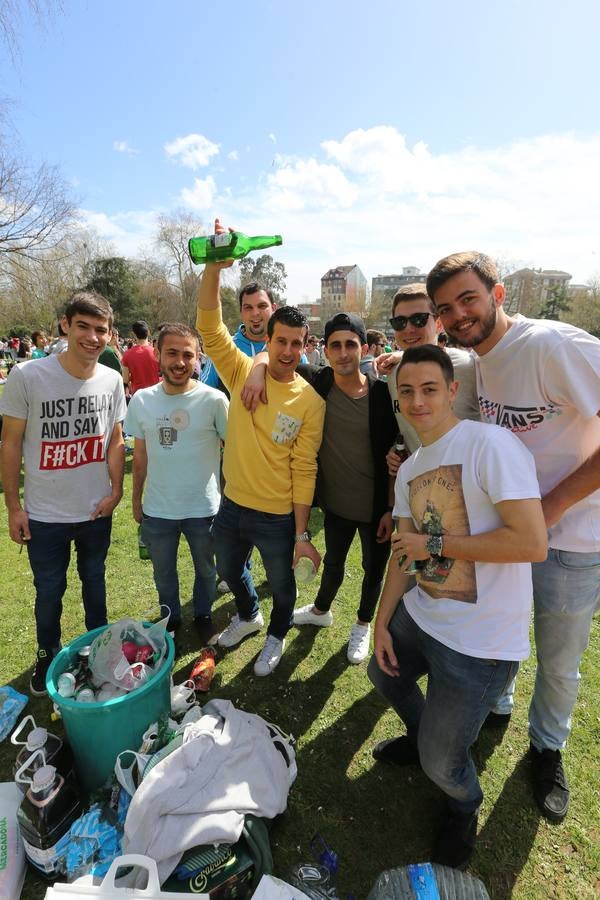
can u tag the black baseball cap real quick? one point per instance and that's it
(343, 321)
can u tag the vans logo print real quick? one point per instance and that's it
(517, 418)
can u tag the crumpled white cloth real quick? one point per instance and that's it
(227, 766)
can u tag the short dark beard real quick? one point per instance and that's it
(487, 326)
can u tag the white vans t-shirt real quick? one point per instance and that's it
(450, 487)
(542, 381)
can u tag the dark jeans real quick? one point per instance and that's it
(461, 691)
(162, 537)
(236, 530)
(49, 555)
(339, 534)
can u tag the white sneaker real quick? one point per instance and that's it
(304, 615)
(238, 629)
(269, 657)
(223, 587)
(358, 645)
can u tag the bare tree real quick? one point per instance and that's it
(35, 207)
(11, 13)
(173, 234)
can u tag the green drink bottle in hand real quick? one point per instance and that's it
(228, 245)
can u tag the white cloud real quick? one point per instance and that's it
(272, 137)
(201, 195)
(307, 184)
(233, 154)
(373, 199)
(128, 231)
(125, 147)
(192, 151)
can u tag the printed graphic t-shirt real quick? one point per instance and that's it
(69, 425)
(542, 381)
(182, 434)
(450, 487)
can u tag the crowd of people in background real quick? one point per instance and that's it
(464, 452)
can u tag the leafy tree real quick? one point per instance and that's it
(585, 308)
(266, 271)
(557, 302)
(230, 307)
(116, 279)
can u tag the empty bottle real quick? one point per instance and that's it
(54, 751)
(143, 548)
(228, 245)
(49, 808)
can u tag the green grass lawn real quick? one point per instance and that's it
(375, 817)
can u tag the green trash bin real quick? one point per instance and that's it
(99, 731)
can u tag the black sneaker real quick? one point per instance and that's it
(550, 786)
(455, 841)
(398, 751)
(37, 683)
(204, 629)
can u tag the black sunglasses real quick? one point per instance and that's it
(419, 320)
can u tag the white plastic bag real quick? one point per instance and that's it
(12, 873)
(108, 662)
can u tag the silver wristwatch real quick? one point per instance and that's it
(435, 545)
(305, 536)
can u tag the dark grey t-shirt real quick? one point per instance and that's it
(346, 473)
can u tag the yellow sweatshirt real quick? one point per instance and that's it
(270, 459)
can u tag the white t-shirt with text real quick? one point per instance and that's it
(542, 381)
(69, 426)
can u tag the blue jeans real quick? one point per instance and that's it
(49, 555)
(162, 538)
(339, 534)
(566, 594)
(461, 690)
(236, 530)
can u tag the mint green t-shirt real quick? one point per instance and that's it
(182, 434)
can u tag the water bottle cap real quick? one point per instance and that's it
(43, 778)
(36, 738)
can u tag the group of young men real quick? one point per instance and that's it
(488, 462)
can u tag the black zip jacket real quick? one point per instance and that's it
(383, 428)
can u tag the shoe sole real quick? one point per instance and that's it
(550, 814)
(35, 693)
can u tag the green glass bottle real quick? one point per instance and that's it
(228, 245)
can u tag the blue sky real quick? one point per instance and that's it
(384, 134)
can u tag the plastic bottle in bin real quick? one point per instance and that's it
(54, 751)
